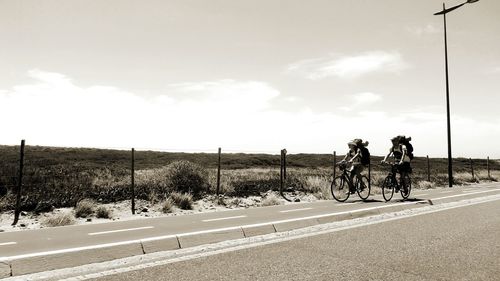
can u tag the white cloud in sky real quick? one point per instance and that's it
(236, 115)
(349, 66)
(361, 100)
(423, 30)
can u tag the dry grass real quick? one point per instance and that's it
(167, 206)
(84, 208)
(182, 200)
(60, 219)
(103, 213)
(271, 200)
(425, 185)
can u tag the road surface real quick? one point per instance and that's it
(52, 248)
(457, 244)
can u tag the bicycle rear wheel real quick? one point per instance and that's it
(406, 187)
(340, 189)
(388, 188)
(363, 188)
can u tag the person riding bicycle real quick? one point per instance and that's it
(401, 157)
(353, 157)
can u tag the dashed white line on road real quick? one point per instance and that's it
(120, 230)
(8, 243)
(226, 218)
(470, 193)
(295, 210)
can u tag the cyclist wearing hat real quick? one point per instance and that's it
(401, 156)
(353, 157)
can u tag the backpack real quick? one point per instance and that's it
(365, 153)
(409, 148)
(406, 141)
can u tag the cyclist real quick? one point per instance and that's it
(401, 157)
(353, 157)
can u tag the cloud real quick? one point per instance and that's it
(428, 29)
(349, 66)
(200, 116)
(360, 100)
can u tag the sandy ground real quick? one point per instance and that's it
(144, 209)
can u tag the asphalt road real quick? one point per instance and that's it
(30, 242)
(456, 244)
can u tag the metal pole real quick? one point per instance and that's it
(218, 174)
(19, 185)
(450, 167)
(132, 181)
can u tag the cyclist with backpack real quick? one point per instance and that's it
(402, 151)
(359, 157)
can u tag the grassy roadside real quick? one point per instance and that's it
(62, 177)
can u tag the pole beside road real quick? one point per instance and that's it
(218, 174)
(19, 184)
(444, 12)
(132, 181)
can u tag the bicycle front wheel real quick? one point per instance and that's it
(406, 189)
(388, 188)
(363, 188)
(340, 189)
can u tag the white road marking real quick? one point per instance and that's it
(100, 246)
(295, 210)
(120, 230)
(447, 191)
(155, 238)
(164, 258)
(226, 218)
(8, 243)
(471, 193)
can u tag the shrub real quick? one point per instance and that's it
(182, 200)
(271, 200)
(60, 219)
(167, 206)
(103, 213)
(187, 177)
(84, 208)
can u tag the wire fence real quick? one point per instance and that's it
(38, 178)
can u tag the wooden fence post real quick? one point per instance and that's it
(132, 181)
(488, 166)
(428, 169)
(334, 164)
(281, 172)
(19, 185)
(472, 169)
(218, 175)
(369, 175)
(284, 165)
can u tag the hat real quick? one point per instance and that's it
(352, 143)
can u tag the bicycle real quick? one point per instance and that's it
(341, 191)
(391, 184)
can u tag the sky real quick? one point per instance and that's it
(249, 76)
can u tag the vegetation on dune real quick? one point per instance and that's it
(59, 219)
(63, 177)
